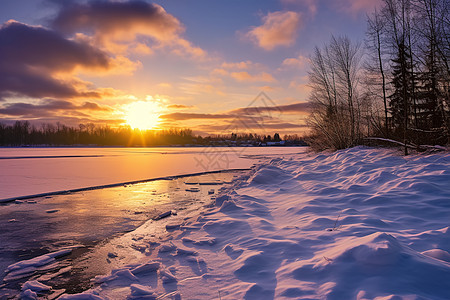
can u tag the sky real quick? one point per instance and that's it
(213, 66)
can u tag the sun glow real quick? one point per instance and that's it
(142, 115)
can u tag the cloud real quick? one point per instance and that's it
(351, 7)
(32, 57)
(297, 62)
(251, 125)
(126, 24)
(301, 85)
(243, 71)
(245, 76)
(243, 113)
(237, 65)
(309, 5)
(117, 20)
(47, 108)
(300, 107)
(71, 121)
(179, 106)
(194, 116)
(278, 29)
(165, 85)
(355, 7)
(266, 88)
(201, 85)
(42, 48)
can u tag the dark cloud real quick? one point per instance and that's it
(103, 18)
(122, 26)
(300, 107)
(66, 120)
(46, 108)
(31, 55)
(249, 126)
(44, 48)
(250, 113)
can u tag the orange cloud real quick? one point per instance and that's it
(201, 86)
(266, 88)
(238, 65)
(301, 85)
(298, 62)
(179, 106)
(279, 29)
(165, 85)
(219, 72)
(245, 76)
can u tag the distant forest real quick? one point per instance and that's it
(395, 86)
(22, 133)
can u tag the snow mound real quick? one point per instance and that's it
(438, 254)
(373, 263)
(270, 175)
(141, 292)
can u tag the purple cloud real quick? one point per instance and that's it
(46, 108)
(30, 55)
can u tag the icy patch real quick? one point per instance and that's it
(26, 268)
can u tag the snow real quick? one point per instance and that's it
(35, 286)
(25, 267)
(360, 223)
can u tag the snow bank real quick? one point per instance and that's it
(354, 224)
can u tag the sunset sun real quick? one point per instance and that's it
(142, 115)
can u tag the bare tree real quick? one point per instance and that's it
(334, 78)
(375, 68)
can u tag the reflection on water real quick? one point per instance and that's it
(41, 225)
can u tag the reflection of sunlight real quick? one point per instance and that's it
(143, 114)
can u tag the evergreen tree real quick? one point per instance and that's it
(276, 137)
(429, 112)
(400, 99)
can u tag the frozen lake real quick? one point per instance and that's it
(83, 220)
(31, 171)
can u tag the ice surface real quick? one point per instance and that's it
(31, 171)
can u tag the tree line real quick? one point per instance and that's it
(22, 133)
(395, 86)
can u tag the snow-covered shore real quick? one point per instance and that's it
(355, 224)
